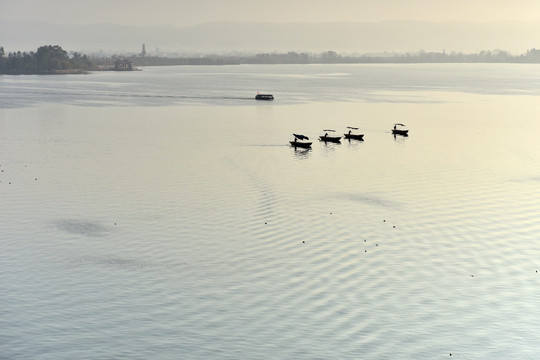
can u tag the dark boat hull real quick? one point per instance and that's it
(400, 132)
(354, 136)
(264, 97)
(334, 139)
(304, 145)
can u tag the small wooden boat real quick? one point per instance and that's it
(329, 138)
(400, 132)
(352, 135)
(399, 129)
(264, 97)
(300, 144)
(300, 141)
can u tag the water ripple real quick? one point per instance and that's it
(85, 228)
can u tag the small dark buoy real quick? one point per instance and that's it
(376, 244)
(472, 275)
(303, 242)
(365, 240)
(384, 220)
(330, 213)
(264, 223)
(450, 354)
(394, 226)
(365, 250)
(114, 224)
(36, 179)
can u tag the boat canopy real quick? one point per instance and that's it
(352, 128)
(400, 124)
(329, 130)
(300, 137)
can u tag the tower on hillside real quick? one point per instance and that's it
(143, 52)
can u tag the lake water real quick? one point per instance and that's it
(161, 214)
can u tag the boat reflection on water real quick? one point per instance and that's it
(353, 144)
(302, 153)
(400, 138)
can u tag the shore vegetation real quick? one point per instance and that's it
(326, 57)
(52, 59)
(49, 59)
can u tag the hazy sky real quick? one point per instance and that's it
(191, 12)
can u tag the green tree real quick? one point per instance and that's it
(2, 60)
(50, 58)
(79, 61)
(330, 57)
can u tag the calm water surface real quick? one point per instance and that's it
(161, 214)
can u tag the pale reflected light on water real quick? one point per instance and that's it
(172, 228)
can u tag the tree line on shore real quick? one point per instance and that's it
(47, 59)
(51, 59)
(331, 57)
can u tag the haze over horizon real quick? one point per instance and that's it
(194, 12)
(241, 25)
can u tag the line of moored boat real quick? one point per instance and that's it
(352, 133)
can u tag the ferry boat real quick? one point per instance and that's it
(264, 97)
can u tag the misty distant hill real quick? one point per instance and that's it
(388, 36)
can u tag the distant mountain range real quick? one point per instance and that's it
(225, 37)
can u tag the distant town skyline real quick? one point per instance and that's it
(180, 13)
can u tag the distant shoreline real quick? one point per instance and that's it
(18, 63)
(52, 72)
(330, 57)
(135, 69)
(66, 72)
